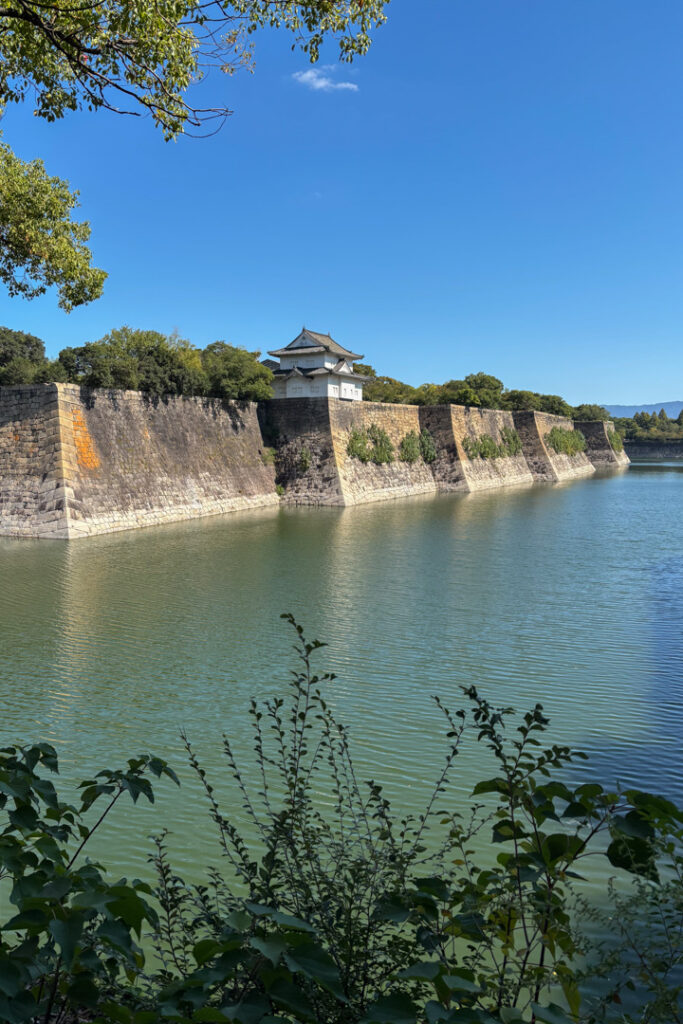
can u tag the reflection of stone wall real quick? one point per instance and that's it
(545, 463)
(598, 449)
(121, 460)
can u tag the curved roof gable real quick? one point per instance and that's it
(312, 342)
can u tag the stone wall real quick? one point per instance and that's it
(654, 449)
(364, 481)
(447, 468)
(122, 460)
(299, 430)
(313, 467)
(311, 436)
(545, 463)
(76, 462)
(598, 448)
(32, 487)
(478, 474)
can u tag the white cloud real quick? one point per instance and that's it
(315, 79)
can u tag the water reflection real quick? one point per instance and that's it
(571, 595)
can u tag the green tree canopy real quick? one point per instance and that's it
(160, 364)
(135, 57)
(21, 355)
(40, 245)
(235, 373)
(591, 412)
(140, 56)
(387, 389)
(555, 405)
(19, 344)
(22, 360)
(522, 400)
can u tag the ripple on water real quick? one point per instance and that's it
(569, 595)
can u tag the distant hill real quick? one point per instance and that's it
(672, 409)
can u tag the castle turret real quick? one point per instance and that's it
(315, 366)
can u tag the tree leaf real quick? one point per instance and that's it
(66, 933)
(551, 1014)
(396, 1008)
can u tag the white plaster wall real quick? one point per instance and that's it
(318, 387)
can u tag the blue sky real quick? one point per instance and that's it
(497, 187)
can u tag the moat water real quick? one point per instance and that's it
(569, 595)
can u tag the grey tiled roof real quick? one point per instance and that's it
(321, 343)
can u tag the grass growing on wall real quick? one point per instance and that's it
(409, 448)
(616, 441)
(511, 440)
(304, 460)
(427, 446)
(566, 442)
(485, 447)
(415, 446)
(372, 444)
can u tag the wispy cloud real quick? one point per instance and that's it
(320, 79)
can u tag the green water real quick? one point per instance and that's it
(571, 595)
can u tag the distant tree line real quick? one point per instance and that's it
(645, 426)
(477, 389)
(161, 364)
(138, 360)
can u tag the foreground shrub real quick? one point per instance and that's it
(344, 911)
(71, 937)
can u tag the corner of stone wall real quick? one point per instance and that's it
(300, 431)
(545, 464)
(533, 446)
(447, 469)
(33, 492)
(598, 448)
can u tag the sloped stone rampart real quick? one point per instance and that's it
(447, 469)
(453, 469)
(76, 462)
(299, 430)
(33, 492)
(545, 463)
(364, 481)
(598, 448)
(121, 460)
(311, 436)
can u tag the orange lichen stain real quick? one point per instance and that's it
(85, 449)
(16, 436)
